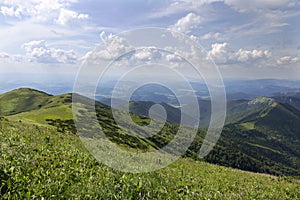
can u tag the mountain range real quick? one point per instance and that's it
(260, 135)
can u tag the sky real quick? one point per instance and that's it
(51, 38)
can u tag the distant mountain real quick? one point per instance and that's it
(262, 87)
(295, 94)
(288, 99)
(174, 114)
(237, 110)
(239, 95)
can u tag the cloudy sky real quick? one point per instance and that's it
(246, 39)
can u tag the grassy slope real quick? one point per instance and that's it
(269, 137)
(21, 100)
(37, 162)
(61, 112)
(249, 148)
(267, 140)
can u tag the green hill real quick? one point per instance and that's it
(263, 136)
(37, 162)
(173, 113)
(55, 107)
(265, 139)
(21, 100)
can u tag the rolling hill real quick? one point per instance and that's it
(37, 162)
(261, 135)
(21, 100)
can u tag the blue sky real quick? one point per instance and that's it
(246, 39)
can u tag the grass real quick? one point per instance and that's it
(21, 100)
(266, 148)
(249, 125)
(233, 148)
(37, 162)
(62, 112)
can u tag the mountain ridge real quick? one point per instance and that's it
(250, 143)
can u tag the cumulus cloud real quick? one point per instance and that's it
(67, 15)
(286, 60)
(174, 58)
(222, 53)
(41, 10)
(187, 24)
(114, 46)
(248, 55)
(10, 58)
(118, 50)
(38, 51)
(147, 54)
(211, 35)
(11, 11)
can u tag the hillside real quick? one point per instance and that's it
(37, 162)
(21, 100)
(262, 137)
(267, 137)
(173, 113)
(289, 99)
(238, 111)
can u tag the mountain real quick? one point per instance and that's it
(289, 99)
(21, 100)
(237, 110)
(267, 136)
(239, 95)
(235, 90)
(37, 162)
(174, 114)
(261, 135)
(262, 87)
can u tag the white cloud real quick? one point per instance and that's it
(248, 55)
(222, 53)
(41, 10)
(38, 51)
(66, 16)
(10, 58)
(147, 54)
(254, 5)
(11, 11)
(114, 46)
(286, 60)
(118, 50)
(187, 24)
(211, 35)
(4, 55)
(174, 58)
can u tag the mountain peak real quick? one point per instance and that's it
(22, 99)
(262, 100)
